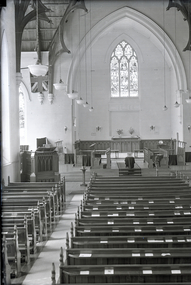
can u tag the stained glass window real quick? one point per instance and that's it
(124, 71)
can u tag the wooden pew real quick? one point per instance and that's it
(5, 266)
(146, 212)
(135, 273)
(47, 204)
(29, 211)
(59, 186)
(126, 221)
(128, 233)
(109, 256)
(124, 229)
(56, 195)
(42, 210)
(52, 196)
(133, 242)
(11, 249)
(96, 179)
(124, 195)
(27, 240)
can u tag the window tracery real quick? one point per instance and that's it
(124, 71)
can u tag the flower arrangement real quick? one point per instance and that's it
(120, 132)
(131, 130)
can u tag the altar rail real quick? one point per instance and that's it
(150, 154)
(125, 144)
(173, 154)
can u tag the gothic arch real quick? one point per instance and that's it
(150, 29)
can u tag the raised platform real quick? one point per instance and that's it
(125, 171)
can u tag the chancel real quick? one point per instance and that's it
(96, 179)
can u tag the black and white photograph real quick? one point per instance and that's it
(95, 142)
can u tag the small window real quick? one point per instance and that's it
(124, 71)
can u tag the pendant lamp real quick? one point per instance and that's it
(85, 104)
(176, 104)
(91, 109)
(189, 92)
(165, 107)
(80, 101)
(73, 95)
(60, 85)
(38, 69)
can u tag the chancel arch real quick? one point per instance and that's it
(134, 25)
(141, 24)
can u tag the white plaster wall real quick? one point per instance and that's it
(147, 109)
(111, 113)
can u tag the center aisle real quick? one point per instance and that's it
(40, 272)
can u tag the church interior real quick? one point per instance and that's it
(95, 142)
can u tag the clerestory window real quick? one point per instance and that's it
(124, 71)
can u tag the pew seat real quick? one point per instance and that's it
(116, 273)
(131, 241)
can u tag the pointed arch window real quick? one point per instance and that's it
(124, 71)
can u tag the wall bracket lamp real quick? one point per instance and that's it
(152, 128)
(98, 128)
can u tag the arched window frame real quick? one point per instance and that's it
(125, 68)
(23, 91)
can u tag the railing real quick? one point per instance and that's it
(150, 155)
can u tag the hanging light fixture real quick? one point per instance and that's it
(91, 109)
(86, 73)
(73, 95)
(189, 92)
(165, 107)
(86, 104)
(176, 104)
(60, 85)
(38, 69)
(80, 101)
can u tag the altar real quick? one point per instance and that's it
(125, 143)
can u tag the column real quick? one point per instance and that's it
(10, 82)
